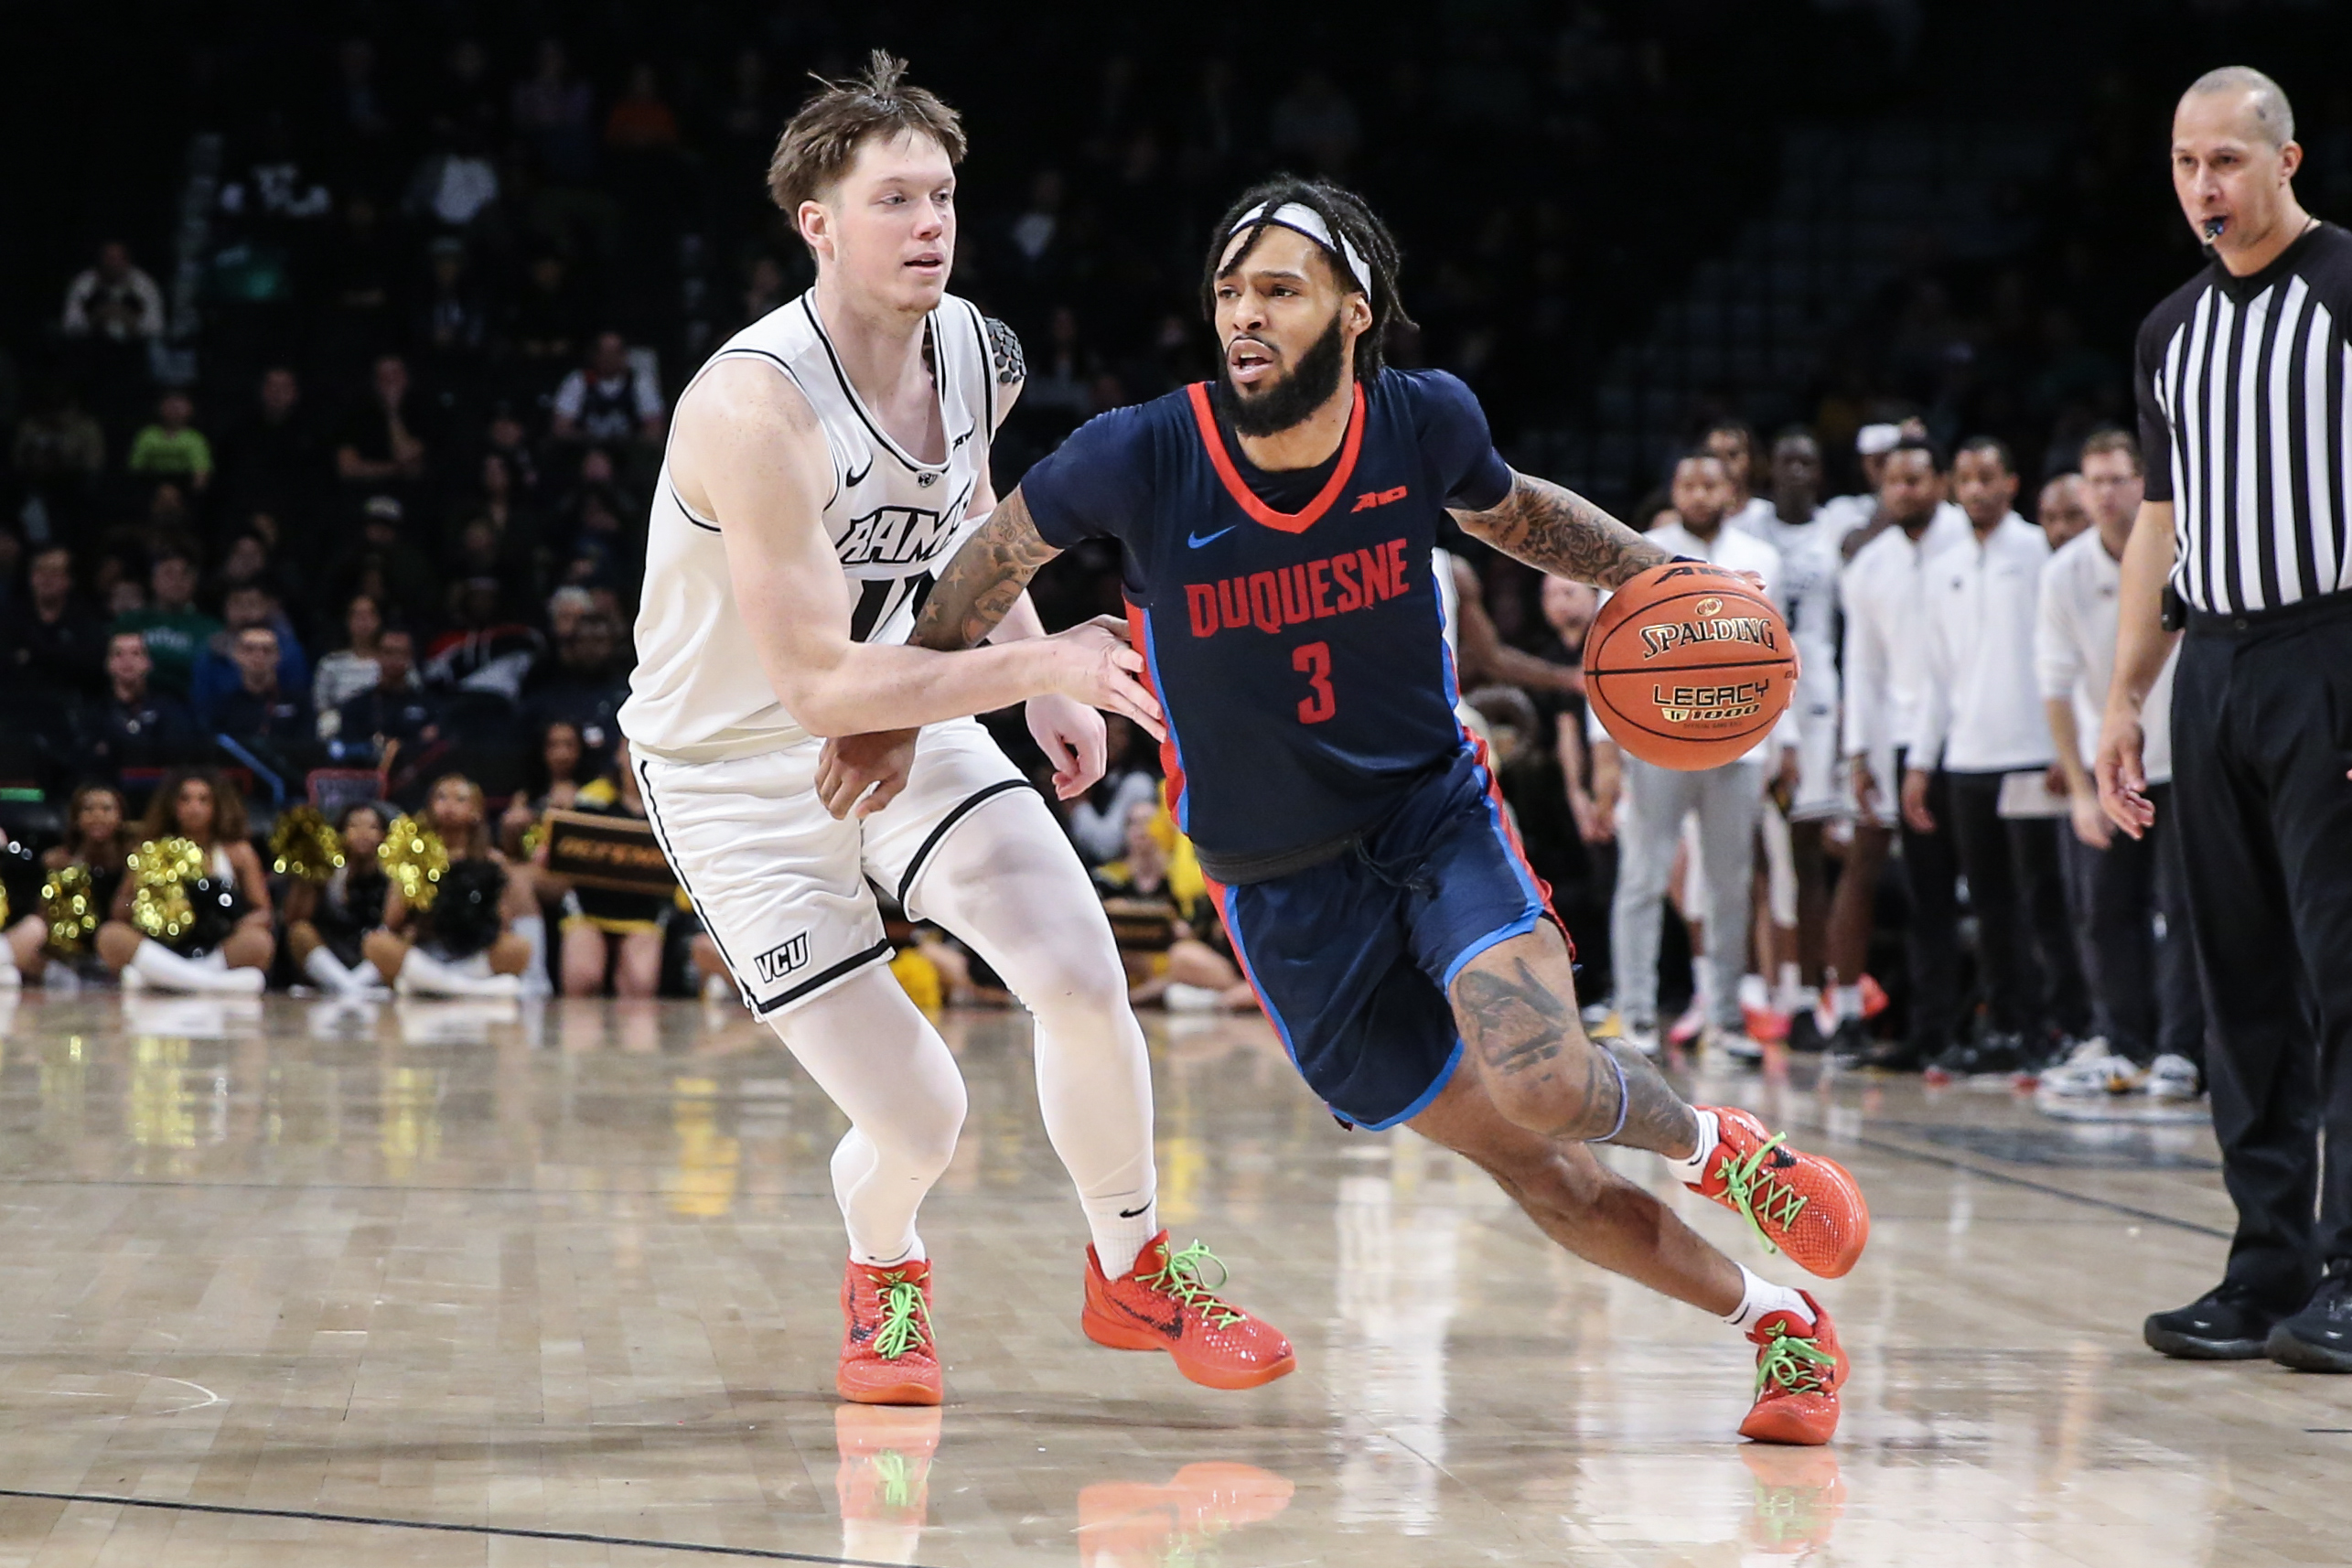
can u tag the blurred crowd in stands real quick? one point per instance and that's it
(337, 461)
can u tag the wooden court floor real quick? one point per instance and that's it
(436, 1283)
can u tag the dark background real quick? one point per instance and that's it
(1618, 219)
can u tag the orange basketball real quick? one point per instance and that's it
(1687, 666)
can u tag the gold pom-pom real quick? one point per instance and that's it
(416, 859)
(70, 907)
(160, 871)
(304, 845)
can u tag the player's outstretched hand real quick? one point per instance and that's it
(1094, 662)
(1071, 734)
(2122, 778)
(865, 771)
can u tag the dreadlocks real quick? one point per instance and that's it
(1351, 222)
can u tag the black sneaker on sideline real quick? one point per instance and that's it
(2319, 1338)
(1805, 1037)
(2228, 1323)
(1996, 1054)
(1852, 1047)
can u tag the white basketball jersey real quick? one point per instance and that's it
(699, 693)
(1807, 591)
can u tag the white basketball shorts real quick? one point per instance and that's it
(1823, 788)
(780, 885)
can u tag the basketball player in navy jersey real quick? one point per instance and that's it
(1276, 528)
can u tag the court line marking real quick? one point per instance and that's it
(506, 1532)
(1880, 1145)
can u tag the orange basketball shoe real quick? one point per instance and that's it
(1134, 1524)
(1164, 1303)
(1803, 1205)
(885, 1462)
(1798, 1498)
(887, 1354)
(1799, 1370)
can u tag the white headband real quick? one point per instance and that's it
(1307, 221)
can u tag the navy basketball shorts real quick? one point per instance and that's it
(1352, 958)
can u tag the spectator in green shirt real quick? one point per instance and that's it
(171, 626)
(171, 448)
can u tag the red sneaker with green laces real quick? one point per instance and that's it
(1799, 1368)
(887, 1354)
(1801, 1204)
(1167, 1303)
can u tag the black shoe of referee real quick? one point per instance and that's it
(2319, 1338)
(2228, 1323)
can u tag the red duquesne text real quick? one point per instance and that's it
(1333, 586)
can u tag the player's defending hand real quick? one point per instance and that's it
(1094, 662)
(1071, 735)
(851, 765)
(2122, 778)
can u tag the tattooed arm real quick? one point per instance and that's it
(981, 584)
(1558, 531)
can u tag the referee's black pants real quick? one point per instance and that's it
(2262, 743)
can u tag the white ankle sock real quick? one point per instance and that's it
(1709, 1133)
(327, 969)
(1763, 1299)
(167, 971)
(1119, 1236)
(913, 1254)
(429, 976)
(9, 979)
(1845, 1002)
(1789, 989)
(532, 930)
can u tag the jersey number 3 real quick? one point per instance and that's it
(1312, 660)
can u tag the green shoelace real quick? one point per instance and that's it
(906, 1322)
(1182, 1276)
(1798, 1365)
(898, 1479)
(1751, 1187)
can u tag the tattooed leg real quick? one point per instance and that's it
(1515, 1006)
(1580, 1203)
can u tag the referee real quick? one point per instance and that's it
(2246, 418)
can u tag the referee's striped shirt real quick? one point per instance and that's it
(2242, 386)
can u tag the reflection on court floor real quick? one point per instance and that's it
(427, 1282)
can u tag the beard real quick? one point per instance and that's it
(1291, 398)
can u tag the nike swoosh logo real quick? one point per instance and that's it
(1134, 1213)
(858, 477)
(1196, 541)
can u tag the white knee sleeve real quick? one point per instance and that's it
(879, 1058)
(1008, 883)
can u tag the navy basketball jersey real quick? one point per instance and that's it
(1300, 653)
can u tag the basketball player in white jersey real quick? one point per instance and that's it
(827, 459)
(1808, 537)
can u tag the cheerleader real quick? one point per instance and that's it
(79, 883)
(606, 932)
(327, 922)
(456, 920)
(201, 920)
